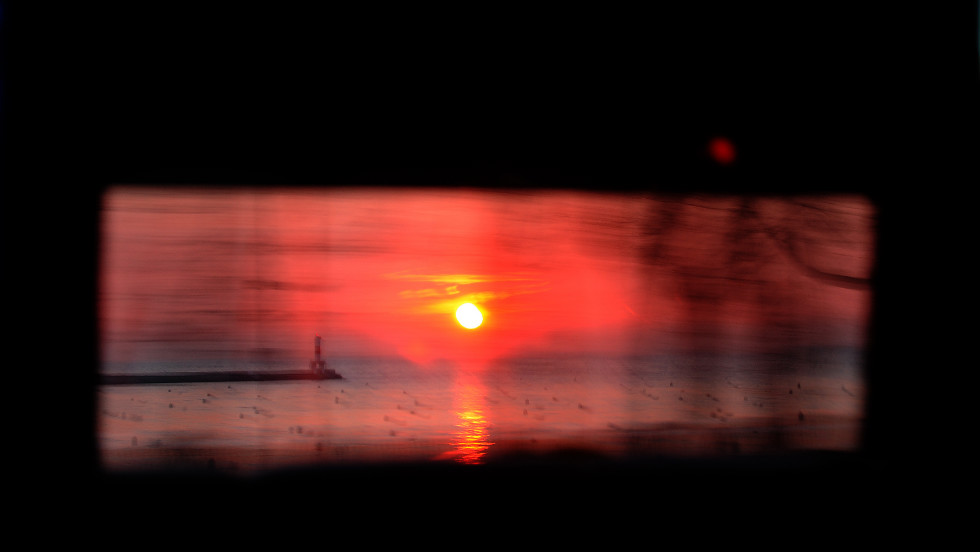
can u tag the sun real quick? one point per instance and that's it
(469, 316)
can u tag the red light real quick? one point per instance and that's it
(722, 150)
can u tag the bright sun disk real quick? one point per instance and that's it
(469, 316)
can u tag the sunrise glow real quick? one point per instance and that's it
(239, 278)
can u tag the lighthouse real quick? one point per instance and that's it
(317, 365)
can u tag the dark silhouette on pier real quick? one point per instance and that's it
(195, 377)
(318, 371)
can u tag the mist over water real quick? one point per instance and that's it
(625, 324)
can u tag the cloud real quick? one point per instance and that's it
(458, 279)
(419, 293)
(483, 289)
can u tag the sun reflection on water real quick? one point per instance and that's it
(471, 437)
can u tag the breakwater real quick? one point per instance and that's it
(194, 377)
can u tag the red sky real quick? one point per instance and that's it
(191, 272)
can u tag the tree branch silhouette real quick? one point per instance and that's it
(787, 244)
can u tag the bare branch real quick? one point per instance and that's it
(786, 243)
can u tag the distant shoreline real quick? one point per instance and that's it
(196, 377)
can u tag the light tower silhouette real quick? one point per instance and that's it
(317, 365)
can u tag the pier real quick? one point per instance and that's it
(318, 371)
(195, 377)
